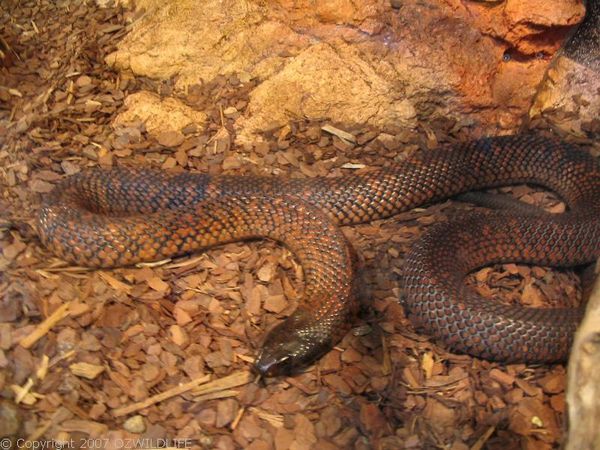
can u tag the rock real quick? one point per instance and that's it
(135, 424)
(584, 378)
(340, 84)
(159, 115)
(568, 97)
(362, 63)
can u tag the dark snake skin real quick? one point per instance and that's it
(112, 218)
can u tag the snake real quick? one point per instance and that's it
(121, 216)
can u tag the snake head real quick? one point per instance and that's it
(292, 345)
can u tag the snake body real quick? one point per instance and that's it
(108, 218)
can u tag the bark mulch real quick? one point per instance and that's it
(162, 352)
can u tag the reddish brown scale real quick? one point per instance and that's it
(91, 217)
(328, 303)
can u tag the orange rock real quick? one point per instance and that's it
(358, 62)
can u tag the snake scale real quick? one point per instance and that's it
(108, 218)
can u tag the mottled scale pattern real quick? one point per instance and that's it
(107, 218)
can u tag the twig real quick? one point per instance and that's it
(42, 329)
(228, 382)
(238, 417)
(483, 438)
(177, 390)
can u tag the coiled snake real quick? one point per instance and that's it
(122, 216)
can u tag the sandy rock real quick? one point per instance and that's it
(327, 82)
(583, 378)
(571, 90)
(229, 36)
(135, 424)
(356, 62)
(568, 97)
(158, 115)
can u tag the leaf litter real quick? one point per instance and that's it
(164, 350)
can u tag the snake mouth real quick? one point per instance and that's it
(291, 346)
(289, 358)
(269, 365)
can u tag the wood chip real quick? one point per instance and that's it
(137, 331)
(86, 370)
(179, 336)
(502, 377)
(339, 133)
(170, 138)
(114, 283)
(158, 284)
